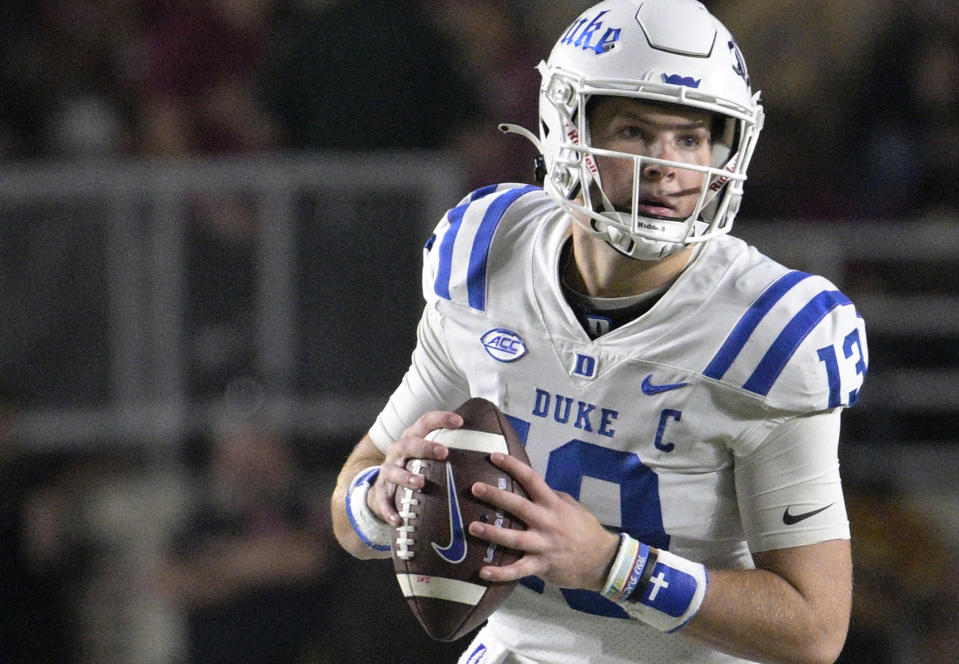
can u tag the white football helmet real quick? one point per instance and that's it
(667, 51)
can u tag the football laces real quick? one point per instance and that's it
(404, 531)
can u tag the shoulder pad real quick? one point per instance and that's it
(800, 346)
(457, 255)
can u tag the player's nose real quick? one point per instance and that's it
(656, 170)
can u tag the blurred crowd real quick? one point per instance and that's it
(860, 95)
(223, 553)
(88, 78)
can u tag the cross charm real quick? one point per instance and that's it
(658, 582)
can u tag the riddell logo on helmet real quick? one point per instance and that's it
(581, 34)
(573, 136)
(720, 182)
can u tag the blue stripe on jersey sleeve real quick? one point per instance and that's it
(775, 359)
(476, 275)
(482, 191)
(749, 322)
(442, 283)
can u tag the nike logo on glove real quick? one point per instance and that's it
(455, 551)
(791, 519)
(649, 388)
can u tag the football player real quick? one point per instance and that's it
(679, 393)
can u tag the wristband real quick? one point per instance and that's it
(627, 569)
(372, 530)
(653, 585)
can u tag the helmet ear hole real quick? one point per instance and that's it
(724, 135)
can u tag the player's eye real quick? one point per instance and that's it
(695, 140)
(633, 138)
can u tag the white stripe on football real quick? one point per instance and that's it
(470, 440)
(438, 587)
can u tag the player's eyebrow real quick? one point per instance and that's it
(642, 118)
(674, 126)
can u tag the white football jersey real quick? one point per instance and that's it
(672, 427)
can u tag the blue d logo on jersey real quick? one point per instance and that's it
(503, 345)
(581, 34)
(585, 366)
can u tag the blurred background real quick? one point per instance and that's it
(211, 221)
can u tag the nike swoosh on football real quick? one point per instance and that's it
(455, 551)
(649, 388)
(792, 519)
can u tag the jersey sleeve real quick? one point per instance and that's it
(458, 255)
(800, 347)
(788, 487)
(823, 353)
(433, 382)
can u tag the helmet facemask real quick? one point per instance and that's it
(575, 182)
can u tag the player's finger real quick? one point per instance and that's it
(380, 500)
(536, 488)
(511, 538)
(525, 566)
(392, 474)
(434, 419)
(409, 447)
(517, 505)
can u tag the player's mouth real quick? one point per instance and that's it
(656, 206)
(651, 205)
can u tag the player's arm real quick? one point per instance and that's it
(794, 607)
(364, 456)
(362, 505)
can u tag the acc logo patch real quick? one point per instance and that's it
(503, 345)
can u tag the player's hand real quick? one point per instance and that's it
(563, 542)
(411, 445)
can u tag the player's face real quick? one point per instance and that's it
(661, 131)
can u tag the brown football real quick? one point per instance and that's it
(436, 560)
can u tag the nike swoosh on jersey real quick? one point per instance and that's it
(455, 551)
(650, 389)
(792, 519)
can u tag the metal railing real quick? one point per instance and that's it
(334, 276)
(134, 221)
